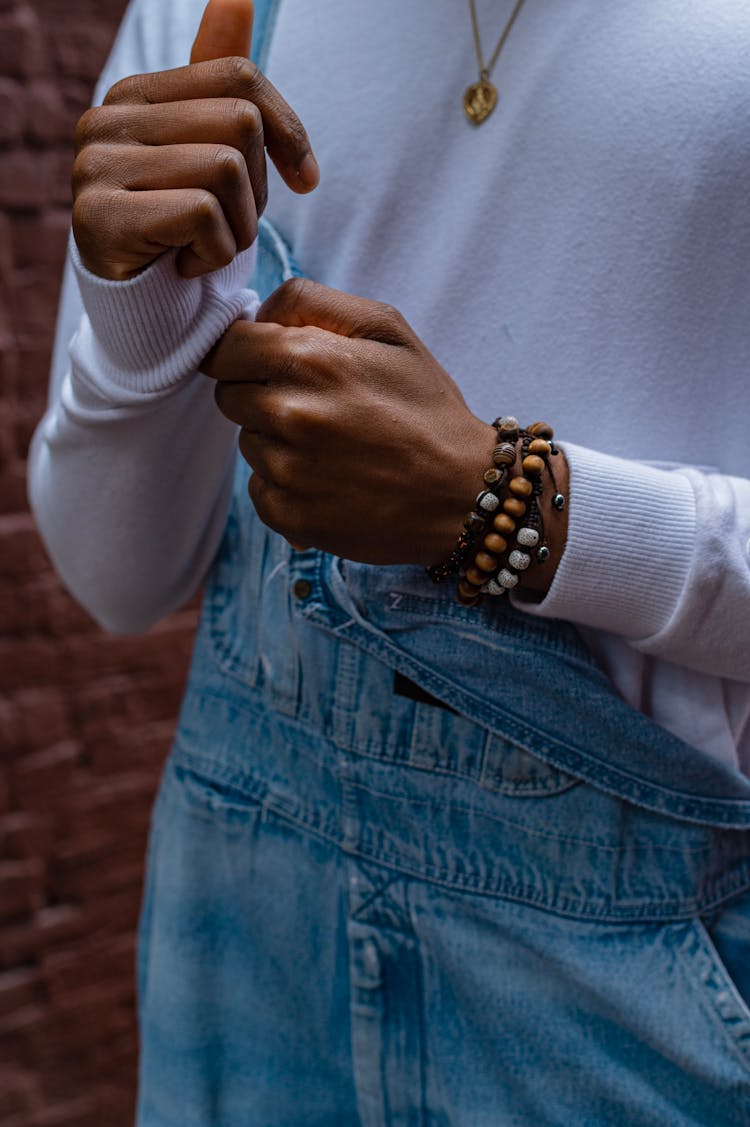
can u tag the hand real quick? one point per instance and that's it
(176, 159)
(361, 444)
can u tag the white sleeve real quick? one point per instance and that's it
(660, 557)
(130, 469)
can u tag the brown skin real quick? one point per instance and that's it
(360, 442)
(177, 158)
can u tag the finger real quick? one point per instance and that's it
(249, 353)
(220, 169)
(223, 121)
(263, 454)
(300, 302)
(147, 223)
(228, 122)
(236, 78)
(250, 406)
(226, 29)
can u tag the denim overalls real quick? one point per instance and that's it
(414, 864)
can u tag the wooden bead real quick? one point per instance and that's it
(514, 507)
(532, 465)
(467, 589)
(495, 543)
(492, 476)
(520, 487)
(485, 562)
(504, 524)
(504, 454)
(541, 430)
(475, 576)
(539, 446)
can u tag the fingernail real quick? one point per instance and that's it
(308, 171)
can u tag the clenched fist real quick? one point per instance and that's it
(361, 443)
(177, 158)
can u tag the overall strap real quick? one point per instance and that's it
(266, 12)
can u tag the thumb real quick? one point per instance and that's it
(301, 302)
(226, 31)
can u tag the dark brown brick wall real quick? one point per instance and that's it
(85, 719)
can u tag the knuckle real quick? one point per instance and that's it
(85, 169)
(85, 215)
(290, 415)
(229, 166)
(247, 238)
(279, 469)
(206, 209)
(246, 119)
(294, 291)
(240, 71)
(128, 89)
(268, 503)
(85, 128)
(391, 315)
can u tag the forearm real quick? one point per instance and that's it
(130, 470)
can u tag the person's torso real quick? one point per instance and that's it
(581, 256)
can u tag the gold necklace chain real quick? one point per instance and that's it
(480, 98)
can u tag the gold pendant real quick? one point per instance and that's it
(480, 100)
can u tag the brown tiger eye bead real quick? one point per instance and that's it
(532, 465)
(504, 525)
(485, 562)
(474, 523)
(475, 576)
(509, 428)
(467, 590)
(468, 600)
(504, 454)
(514, 507)
(539, 446)
(520, 487)
(495, 543)
(541, 430)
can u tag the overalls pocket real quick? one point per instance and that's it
(720, 958)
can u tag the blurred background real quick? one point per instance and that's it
(85, 719)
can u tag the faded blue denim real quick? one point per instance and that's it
(530, 907)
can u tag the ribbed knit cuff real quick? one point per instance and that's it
(154, 330)
(631, 531)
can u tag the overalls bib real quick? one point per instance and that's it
(414, 863)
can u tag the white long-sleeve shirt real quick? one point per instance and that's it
(583, 256)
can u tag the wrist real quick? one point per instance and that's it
(465, 464)
(516, 529)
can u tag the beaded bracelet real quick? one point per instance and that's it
(489, 572)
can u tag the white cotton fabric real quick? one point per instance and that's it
(581, 257)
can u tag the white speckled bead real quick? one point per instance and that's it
(491, 587)
(489, 502)
(528, 537)
(507, 579)
(519, 560)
